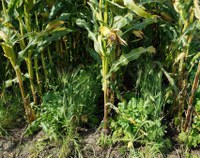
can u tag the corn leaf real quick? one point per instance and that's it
(121, 21)
(9, 53)
(152, 1)
(53, 36)
(97, 43)
(35, 6)
(56, 9)
(11, 7)
(188, 30)
(54, 24)
(140, 26)
(197, 9)
(43, 39)
(126, 58)
(8, 83)
(117, 5)
(65, 16)
(93, 54)
(29, 5)
(194, 61)
(170, 79)
(32, 42)
(130, 4)
(3, 36)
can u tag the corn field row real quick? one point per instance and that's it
(136, 63)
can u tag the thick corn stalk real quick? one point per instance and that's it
(9, 53)
(190, 107)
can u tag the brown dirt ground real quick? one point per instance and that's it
(15, 145)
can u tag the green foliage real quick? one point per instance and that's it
(71, 104)
(192, 137)
(140, 119)
(42, 42)
(136, 122)
(131, 56)
(11, 112)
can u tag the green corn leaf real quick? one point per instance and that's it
(43, 39)
(153, 1)
(193, 61)
(8, 83)
(65, 16)
(35, 6)
(11, 7)
(32, 42)
(3, 36)
(93, 54)
(53, 36)
(197, 9)
(9, 53)
(117, 4)
(53, 25)
(29, 5)
(130, 4)
(140, 26)
(121, 21)
(187, 31)
(97, 42)
(126, 58)
(170, 79)
(56, 9)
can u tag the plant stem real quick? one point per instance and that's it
(37, 75)
(190, 107)
(28, 59)
(44, 67)
(105, 66)
(28, 109)
(105, 90)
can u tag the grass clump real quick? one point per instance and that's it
(11, 113)
(138, 121)
(68, 107)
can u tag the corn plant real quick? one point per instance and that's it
(9, 53)
(106, 35)
(180, 48)
(20, 39)
(190, 105)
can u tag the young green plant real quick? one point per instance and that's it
(106, 36)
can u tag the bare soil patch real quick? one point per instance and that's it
(15, 145)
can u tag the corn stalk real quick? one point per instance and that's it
(190, 104)
(8, 48)
(10, 54)
(186, 25)
(107, 39)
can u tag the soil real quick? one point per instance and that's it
(15, 145)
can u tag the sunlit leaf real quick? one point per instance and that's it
(3, 36)
(57, 7)
(121, 21)
(197, 9)
(54, 24)
(91, 35)
(141, 25)
(170, 79)
(9, 52)
(53, 36)
(130, 4)
(194, 61)
(126, 58)
(65, 16)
